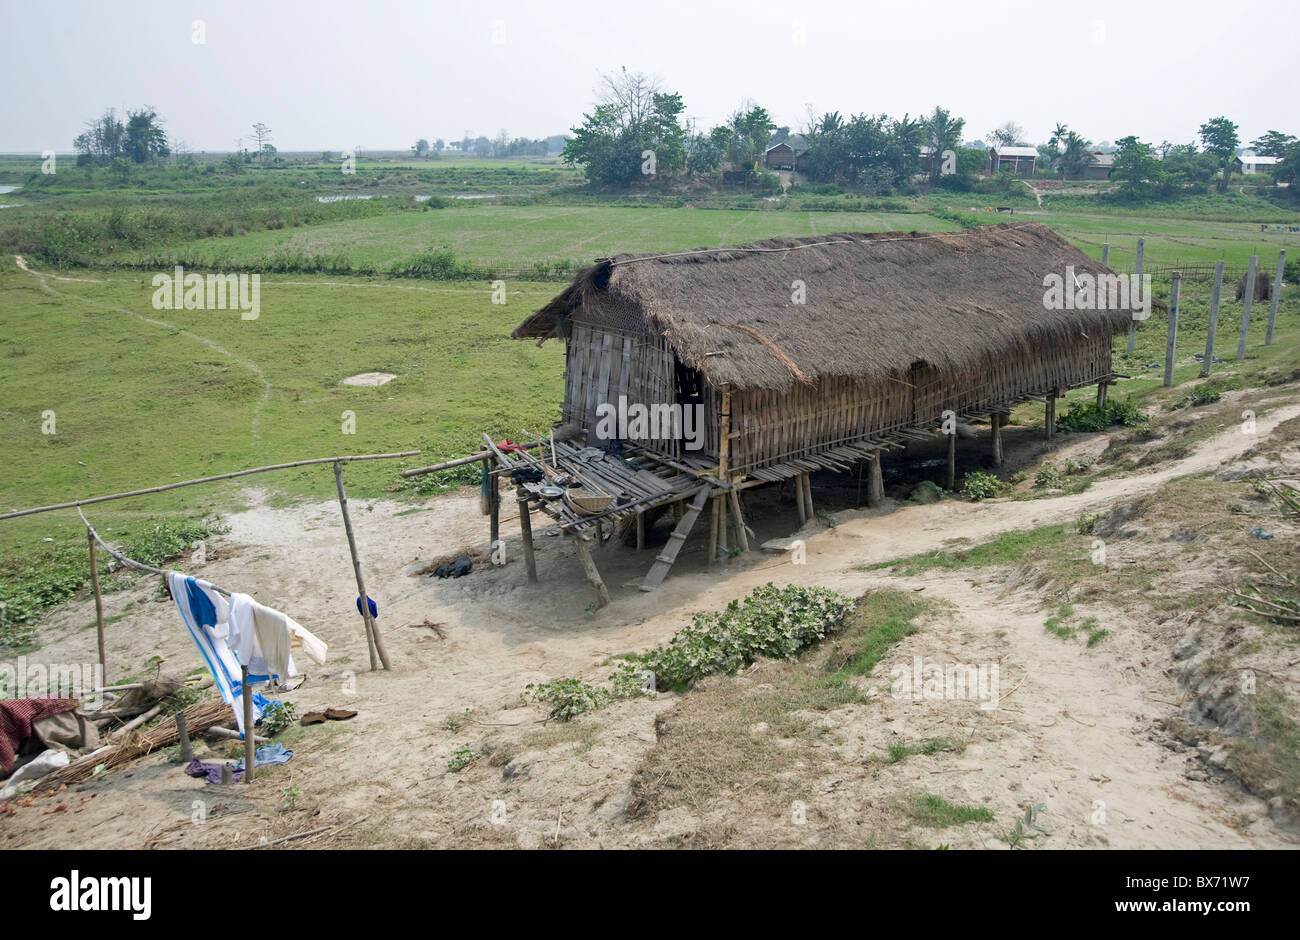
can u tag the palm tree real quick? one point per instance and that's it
(942, 132)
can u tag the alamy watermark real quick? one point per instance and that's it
(1086, 291)
(657, 422)
(931, 682)
(82, 681)
(181, 291)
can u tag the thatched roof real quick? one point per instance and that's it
(875, 303)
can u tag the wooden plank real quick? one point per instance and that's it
(664, 562)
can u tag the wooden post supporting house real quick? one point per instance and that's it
(1208, 364)
(714, 521)
(1132, 325)
(593, 573)
(952, 459)
(373, 640)
(742, 536)
(1171, 339)
(494, 510)
(1246, 301)
(1049, 417)
(875, 481)
(526, 530)
(996, 420)
(1277, 295)
(99, 604)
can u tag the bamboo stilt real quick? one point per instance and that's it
(526, 531)
(373, 640)
(99, 604)
(593, 573)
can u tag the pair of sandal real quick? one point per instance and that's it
(329, 714)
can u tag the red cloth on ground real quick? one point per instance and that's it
(16, 717)
(508, 445)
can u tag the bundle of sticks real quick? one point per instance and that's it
(198, 718)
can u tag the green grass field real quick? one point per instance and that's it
(516, 235)
(143, 397)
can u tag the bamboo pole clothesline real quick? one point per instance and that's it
(212, 479)
(372, 634)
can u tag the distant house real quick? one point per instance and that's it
(1100, 167)
(1019, 160)
(1249, 163)
(779, 157)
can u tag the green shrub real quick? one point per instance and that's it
(1086, 416)
(980, 485)
(461, 757)
(568, 698)
(773, 622)
(1047, 477)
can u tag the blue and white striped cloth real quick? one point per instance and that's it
(206, 616)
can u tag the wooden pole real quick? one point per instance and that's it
(640, 529)
(183, 733)
(1245, 306)
(1049, 414)
(526, 530)
(1132, 324)
(722, 526)
(494, 509)
(952, 460)
(997, 439)
(1171, 339)
(99, 604)
(220, 476)
(875, 481)
(373, 639)
(246, 693)
(742, 537)
(713, 532)
(1208, 364)
(1277, 295)
(1105, 255)
(1101, 394)
(593, 573)
(807, 496)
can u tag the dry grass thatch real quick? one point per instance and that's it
(875, 303)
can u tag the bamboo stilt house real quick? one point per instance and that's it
(799, 347)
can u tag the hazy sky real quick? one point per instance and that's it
(331, 74)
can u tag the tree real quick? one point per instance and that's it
(421, 148)
(1185, 166)
(262, 134)
(1219, 138)
(1136, 168)
(632, 133)
(102, 141)
(440, 145)
(1008, 135)
(1288, 170)
(1076, 154)
(942, 132)
(145, 139)
(703, 155)
(1272, 144)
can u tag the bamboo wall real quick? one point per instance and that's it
(772, 426)
(603, 363)
(775, 426)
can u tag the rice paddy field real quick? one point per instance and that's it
(84, 343)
